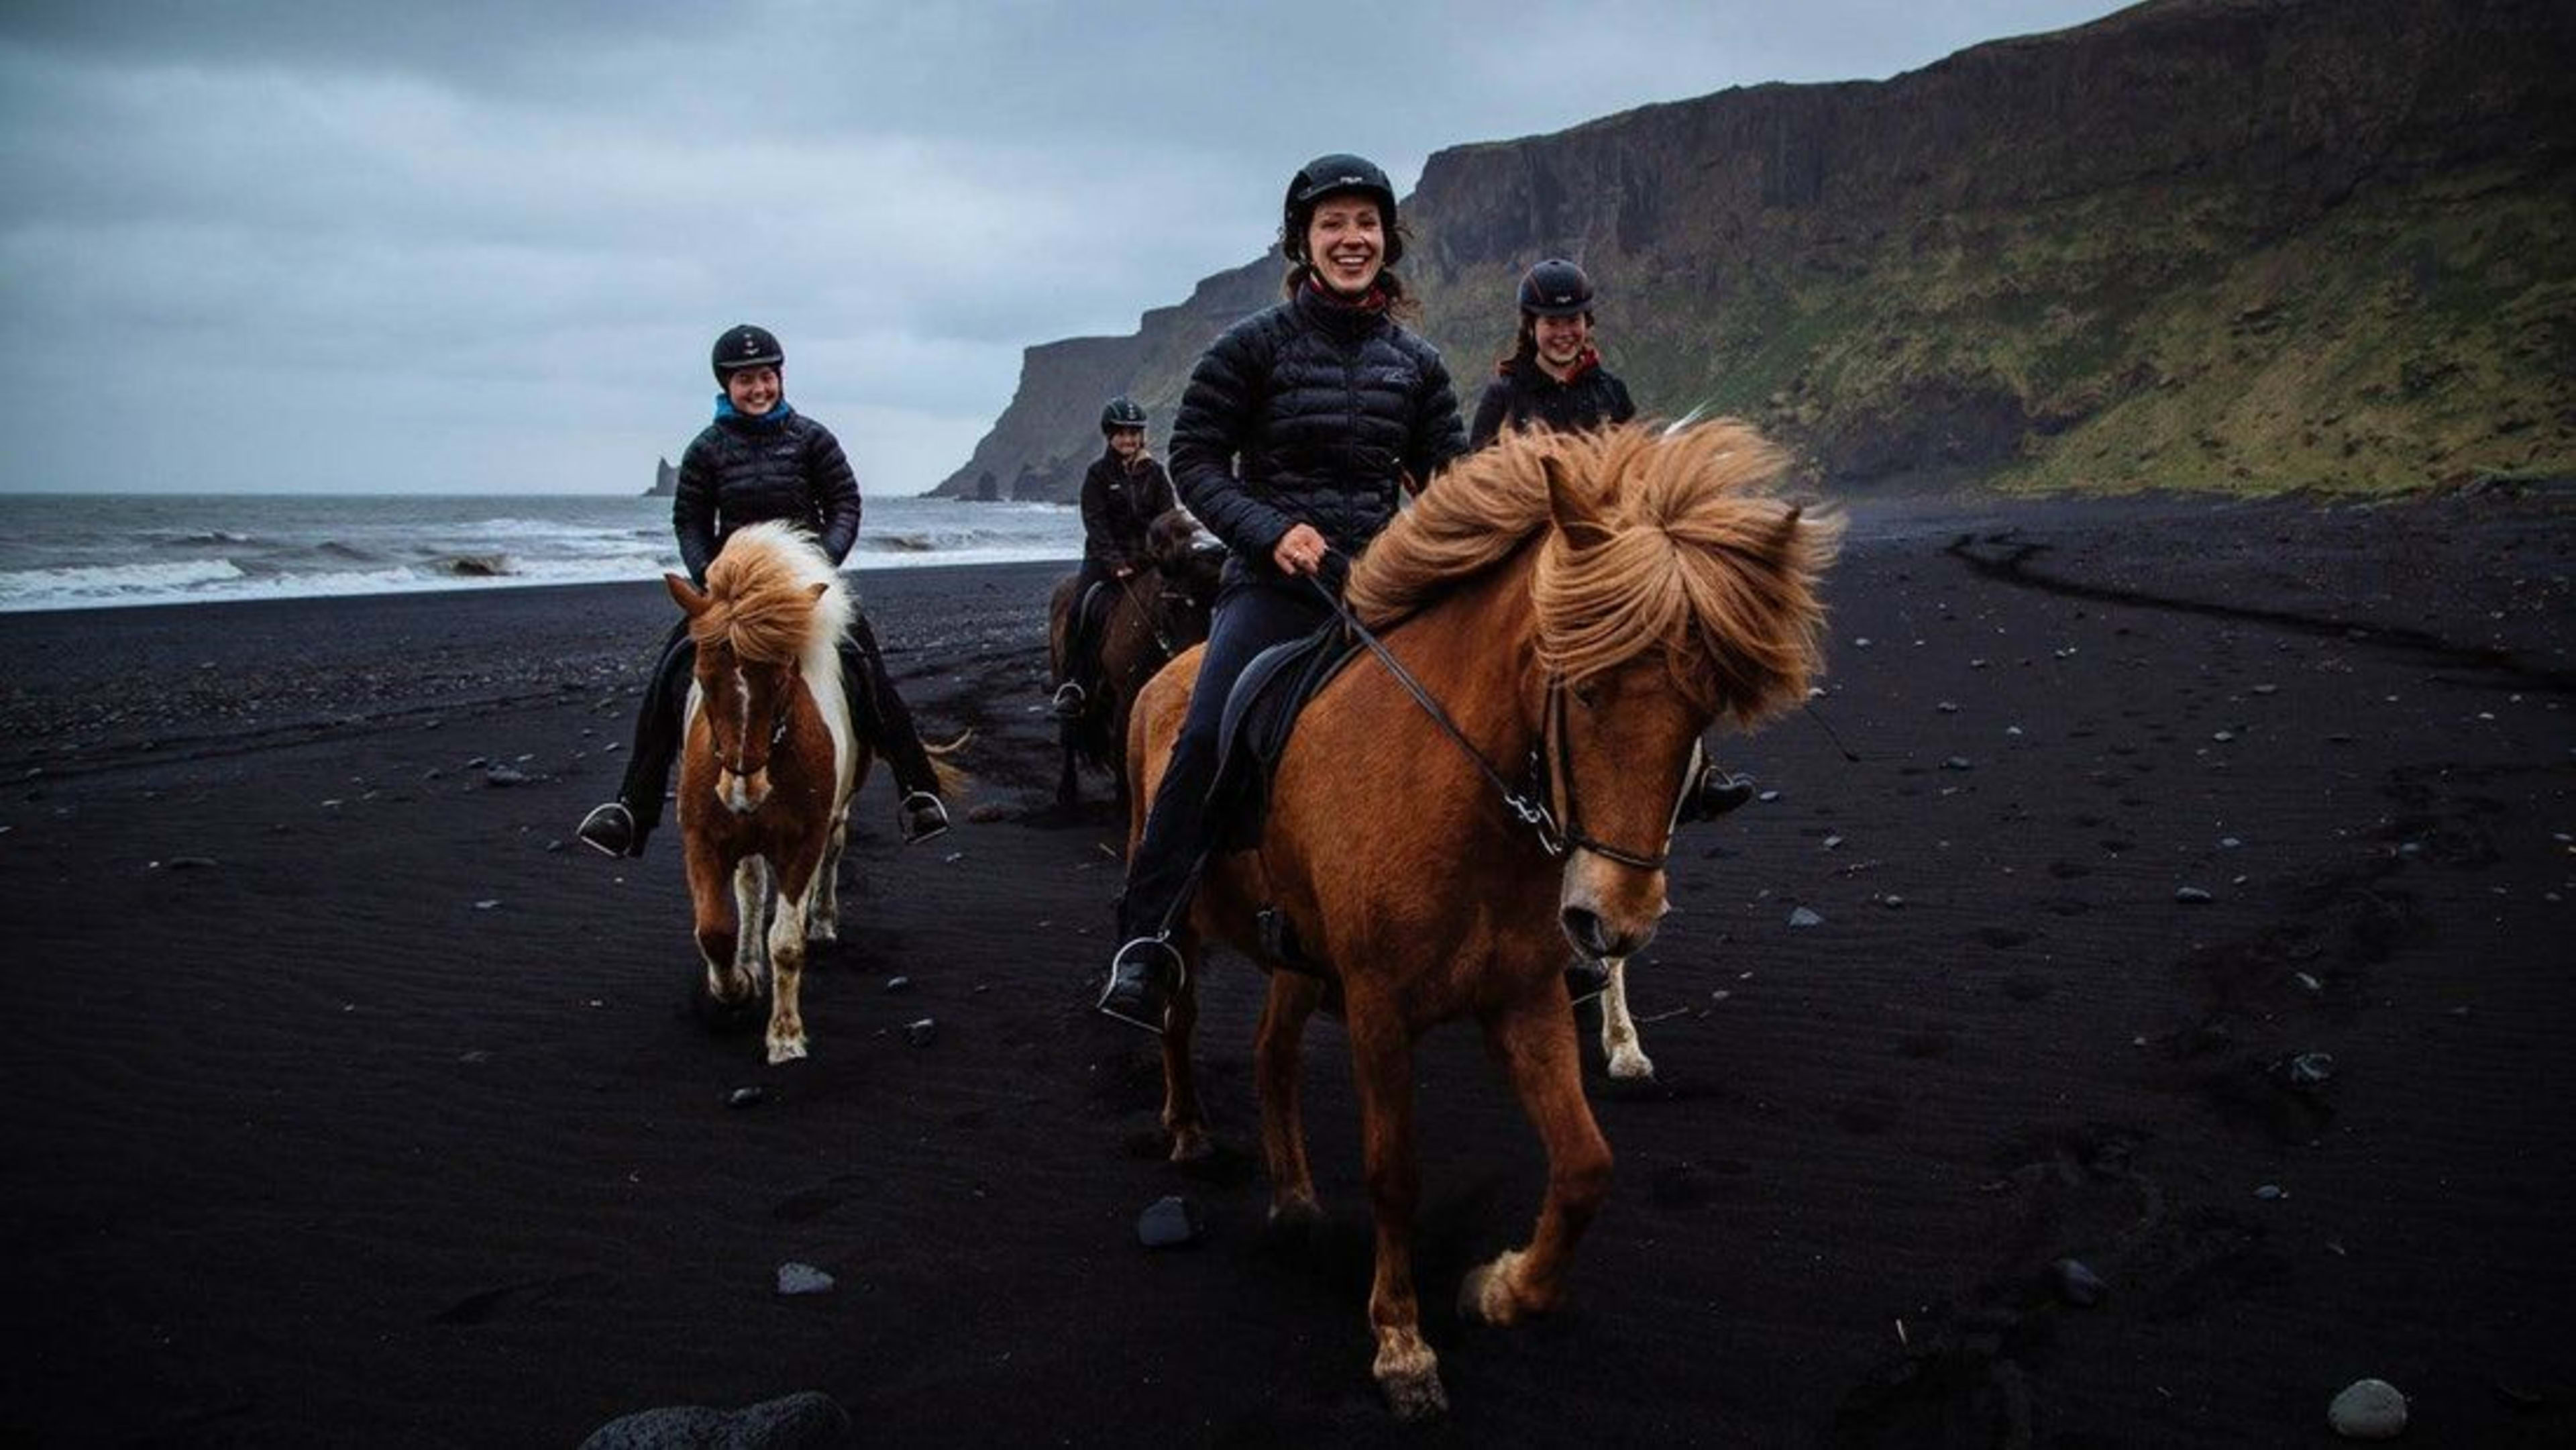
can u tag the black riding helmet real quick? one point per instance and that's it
(1330, 176)
(1555, 288)
(1121, 412)
(746, 346)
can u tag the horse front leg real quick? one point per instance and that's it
(1277, 1060)
(1407, 1372)
(751, 911)
(1068, 790)
(717, 921)
(1535, 1041)
(1183, 1118)
(1628, 1060)
(797, 884)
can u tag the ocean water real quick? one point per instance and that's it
(62, 551)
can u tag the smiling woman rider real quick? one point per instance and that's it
(762, 460)
(1298, 428)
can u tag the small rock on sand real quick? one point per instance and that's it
(2368, 1410)
(1171, 1222)
(2076, 1283)
(1803, 917)
(795, 1278)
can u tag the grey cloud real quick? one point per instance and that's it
(487, 240)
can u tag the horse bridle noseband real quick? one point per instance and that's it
(1550, 773)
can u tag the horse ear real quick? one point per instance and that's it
(691, 600)
(1577, 513)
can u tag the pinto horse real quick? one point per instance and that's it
(1581, 608)
(1153, 614)
(767, 766)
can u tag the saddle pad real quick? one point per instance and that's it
(1260, 712)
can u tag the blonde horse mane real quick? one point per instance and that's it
(762, 598)
(1696, 556)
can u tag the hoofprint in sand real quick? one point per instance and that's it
(348, 1104)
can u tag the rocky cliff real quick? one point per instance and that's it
(2251, 244)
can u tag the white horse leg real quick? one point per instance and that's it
(787, 973)
(1628, 1061)
(751, 911)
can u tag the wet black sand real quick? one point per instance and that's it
(348, 1106)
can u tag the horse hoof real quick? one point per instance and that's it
(1486, 1292)
(1631, 1066)
(788, 1051)
(1192, 1145)
(1298, 1214)
(822, 931)
(1414, 1395)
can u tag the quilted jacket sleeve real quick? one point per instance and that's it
(1220, 410)
(836, 493)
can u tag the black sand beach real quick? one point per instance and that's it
(349, 1104)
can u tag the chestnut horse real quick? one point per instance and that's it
(1153, 614)
(1582, 608)
(767, 766)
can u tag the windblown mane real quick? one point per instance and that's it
(762, 588)
(1702, 560)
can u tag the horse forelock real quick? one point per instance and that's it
(762, 600)
(1476, 514)
(1702, 560)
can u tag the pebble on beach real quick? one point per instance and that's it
(2368, 1409)
(795, 1278)
(2076, 1283)
(1170, 1222)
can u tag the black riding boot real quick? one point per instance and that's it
(1082, 653)
(877, 713)
(1163, 871)
(1716, 791)
(620, 826)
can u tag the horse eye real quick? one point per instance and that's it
(1582, 695)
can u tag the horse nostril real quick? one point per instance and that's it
(1583, 927)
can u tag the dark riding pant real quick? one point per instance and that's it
(1082, 630)
(877, 715)
(1251, 616)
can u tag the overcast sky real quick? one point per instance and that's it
(473, 247)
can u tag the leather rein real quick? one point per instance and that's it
(1549, 775)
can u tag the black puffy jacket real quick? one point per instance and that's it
(1118, 506)
(1523, 395)
(753, 470)
(1310, 412)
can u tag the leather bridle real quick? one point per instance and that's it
(1549, 776)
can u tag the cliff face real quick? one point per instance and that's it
(2198, 243)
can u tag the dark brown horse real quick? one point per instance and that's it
(767, 766)
(1583, 608)
(1153, 614)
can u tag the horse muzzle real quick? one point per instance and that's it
(1609, 911)
(742, 794)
